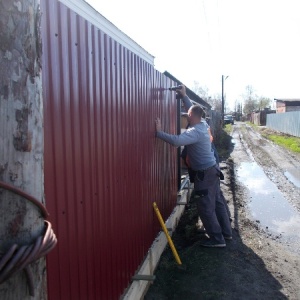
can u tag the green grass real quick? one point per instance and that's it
(291, 143)
(223, 141)
(228, 128)
(287, 141)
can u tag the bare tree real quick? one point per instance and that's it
(250, 100)
(250, 93)
(200, 91)
(203, 92)
(263, 103)
(215, 102)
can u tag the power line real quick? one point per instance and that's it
(219, 27)
(208, 33)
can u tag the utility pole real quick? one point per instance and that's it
(222, 110)
(223, 102)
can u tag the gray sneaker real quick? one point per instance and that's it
(212, 244)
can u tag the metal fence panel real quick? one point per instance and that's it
(288, 122)
(103, 165)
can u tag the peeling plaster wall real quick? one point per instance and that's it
(21, 137)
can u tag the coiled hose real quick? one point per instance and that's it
(19, 257)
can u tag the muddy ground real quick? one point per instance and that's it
(256, 264)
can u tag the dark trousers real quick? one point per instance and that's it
(211, 207)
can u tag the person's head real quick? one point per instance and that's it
(195, 113)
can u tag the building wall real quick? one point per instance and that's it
(258, 118)
(104, 167)
(286, 106)
(293, 108)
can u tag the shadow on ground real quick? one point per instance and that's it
(234, 272)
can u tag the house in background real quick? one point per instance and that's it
(287, 117)
(287, 105)
(260, 117)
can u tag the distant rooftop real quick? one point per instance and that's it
(288, 99)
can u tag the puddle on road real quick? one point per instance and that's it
(267, 204)
(293, 175)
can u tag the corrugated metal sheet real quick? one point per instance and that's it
(103, 166)
(288, 122)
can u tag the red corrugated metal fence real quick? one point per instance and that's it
(103, 166)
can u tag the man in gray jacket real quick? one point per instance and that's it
(211, 208)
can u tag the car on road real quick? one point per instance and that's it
(228, 119)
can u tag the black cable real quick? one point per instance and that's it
(18, 257)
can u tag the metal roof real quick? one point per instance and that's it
(288, 100)
(193, 96)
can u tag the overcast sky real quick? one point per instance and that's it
(253, 42)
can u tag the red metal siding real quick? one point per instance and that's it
(103, 166)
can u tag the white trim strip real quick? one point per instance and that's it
(86, 11)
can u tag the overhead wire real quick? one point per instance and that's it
(206, 22)
(219, 27)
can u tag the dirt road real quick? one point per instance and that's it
(263, 259)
